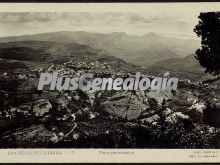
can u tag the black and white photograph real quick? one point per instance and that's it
(107, 79)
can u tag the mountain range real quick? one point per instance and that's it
(140, 50)
(35, 54)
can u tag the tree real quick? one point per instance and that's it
(208, 29)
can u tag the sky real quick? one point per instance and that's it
(174, 24)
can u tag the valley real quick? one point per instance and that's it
(30, 118)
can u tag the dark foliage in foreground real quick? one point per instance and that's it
(208, 30)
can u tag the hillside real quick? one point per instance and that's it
(28, 54)
(140, 50)
(187, 67)
(30, 118)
